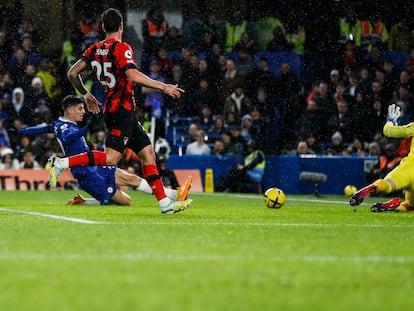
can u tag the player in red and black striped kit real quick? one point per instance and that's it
(113, 63)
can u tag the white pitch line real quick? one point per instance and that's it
(209, 257)
(71, 219)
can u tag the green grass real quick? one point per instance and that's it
(226, 252)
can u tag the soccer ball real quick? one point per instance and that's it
(350, 190)
(274, 198)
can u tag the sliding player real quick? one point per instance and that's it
(99, 181)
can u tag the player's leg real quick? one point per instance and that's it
(58, 165)
(141, 145)
(121, 198)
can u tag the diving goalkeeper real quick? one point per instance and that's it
(400, 178)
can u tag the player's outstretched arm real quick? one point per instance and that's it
(36, 130)
(139, 78)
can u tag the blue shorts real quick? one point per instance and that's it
(98, 181)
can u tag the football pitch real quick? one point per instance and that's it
(226, 252)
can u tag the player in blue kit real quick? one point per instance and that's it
(101, 182)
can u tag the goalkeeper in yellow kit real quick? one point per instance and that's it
(400, 178)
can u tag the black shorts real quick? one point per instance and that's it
(125, 131)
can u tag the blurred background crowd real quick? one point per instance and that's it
(338, 68)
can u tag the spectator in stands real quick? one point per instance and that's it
(28, 161)
(314, 144)
(17, 65)
(8, 162)
(287, 83)
(263, 102)
(264, 27)
(27, 77)
(235, 26)
(401, 35)
(44, 146)
(261, 77)
(203, 96)
(45, 72)
(336, 145)
(351, 58)
(237, 103)
(375, 118)
(325, 101)
(212, 26)
(352, 87)
(230, 147)
(310, 121)
(302, 148)
(205, 117)
(205, 42)
(244, 65)
(365, 81)
(386, 85)
(178, 107)
(260, 124)
(32, 55)
(341, 121)
(4, 116)
(154, 30)
(36, 94)
(174, 41)
(5, 50)
(231, 80)
(350, 26)
(374, 60)
(23, 143)
(218, 127)
(26, 28)
(164, 62)
(246, 43)
(193, 131)
(20, 108)
(198, 147)
(218, 148)
(279, 43)
(250, 172)
(204, 72)
(4, 136)
(248, 131)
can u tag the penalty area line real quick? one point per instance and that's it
(70, 219)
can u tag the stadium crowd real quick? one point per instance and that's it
(232, 96)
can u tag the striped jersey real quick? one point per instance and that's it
(109, 60)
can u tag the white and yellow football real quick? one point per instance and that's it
(350, 190)
(274, 198)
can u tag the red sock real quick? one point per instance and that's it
(92, 158)
(152, 176)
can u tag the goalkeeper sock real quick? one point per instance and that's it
(383, 186)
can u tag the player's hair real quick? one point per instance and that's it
(71, 100)
(111, 19)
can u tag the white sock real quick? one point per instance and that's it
(164, 202)
(64, 162)
(144, 186)
(91, 201)
(171, 193)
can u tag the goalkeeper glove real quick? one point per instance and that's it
(394, 113)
